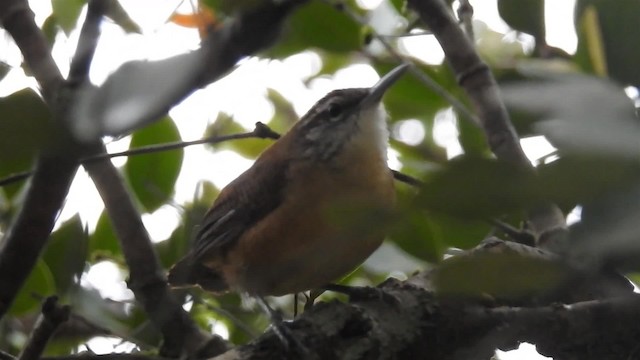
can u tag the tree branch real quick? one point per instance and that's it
(249, 32)
(56, 164)
(17, 18)
(261, 131)
(27, 236)
(53, 315)
(409, 322)
(476, 78)
(146, 278)
(87, 43)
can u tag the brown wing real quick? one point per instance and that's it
(244, 202)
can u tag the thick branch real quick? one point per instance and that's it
(27, 236)
(476, 78)
(249, 32)
(54, 169)
(87, 42)
(411, 323)
(17, 19)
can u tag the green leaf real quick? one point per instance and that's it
(153, 176)
(67, 13)
(50, 29)
(416, 235)
(66, 253)
(475, 188)
(573, 180)
(319, 25)
(609, 31)
(103, 243)
(410, 98)
(39, 284)
(226, 125)
(285, 115)
(457, 232)
(503, 276)
(524, 15)
(472, 138)
(23, 128)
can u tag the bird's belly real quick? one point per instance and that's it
(298, 248)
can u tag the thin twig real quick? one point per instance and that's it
(15, 178)
(406, 178)
(256, 133)
(261, 131)
(87, 43)
(53, 315)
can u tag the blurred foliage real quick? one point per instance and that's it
(604, 31)
(153, 176)
(586, 116)
(23, 128)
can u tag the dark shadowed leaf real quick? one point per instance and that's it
(153, 176)
(607, 234)
(418, 236)
(576, 180)
(457, 232)
(524, 15)
(39, 285)
(66, 253)
(502, 276)
(609, 31)
(477, 188)
(23, 129)
(317, 24)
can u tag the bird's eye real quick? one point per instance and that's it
(335, 110)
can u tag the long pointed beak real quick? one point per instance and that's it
(377, 91)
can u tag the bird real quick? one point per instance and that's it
(303, 215)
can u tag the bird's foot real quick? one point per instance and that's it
(289, 341)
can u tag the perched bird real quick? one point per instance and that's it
(303, 214)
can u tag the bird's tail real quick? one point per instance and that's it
(188, 272)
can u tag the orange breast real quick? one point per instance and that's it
(327, 225)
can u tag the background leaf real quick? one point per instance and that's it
(39, 285)
(23, 130)
(153, 176)
(66, 13)
(66, 253)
